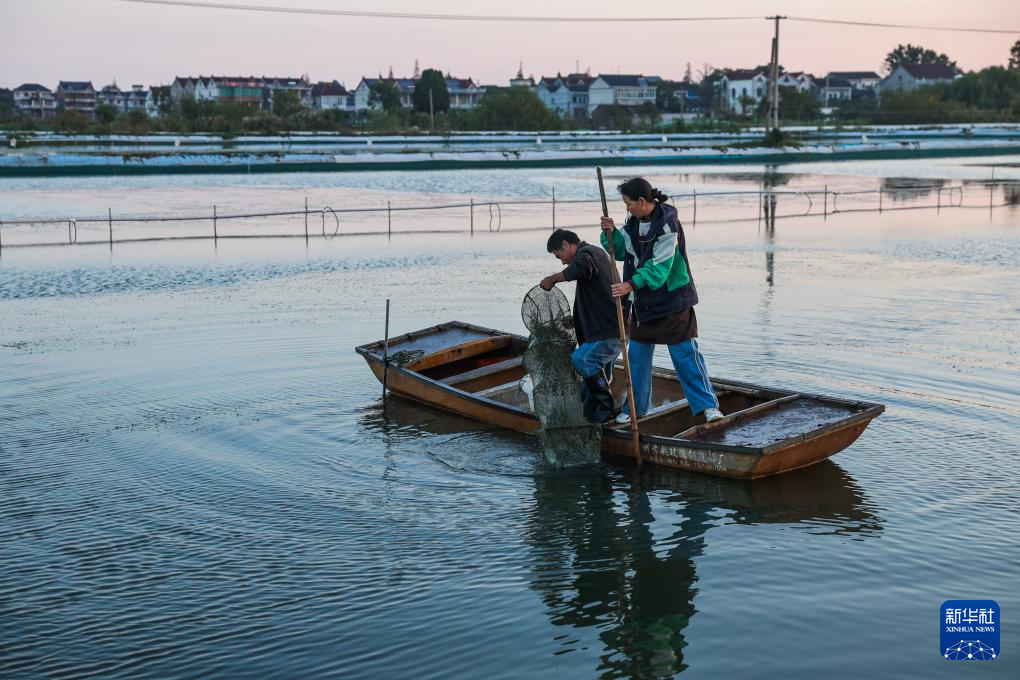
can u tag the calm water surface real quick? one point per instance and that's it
(197, 477)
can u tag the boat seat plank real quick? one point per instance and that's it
(483, 371)
(666, 409)
(467, 349)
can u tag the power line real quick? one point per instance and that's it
(538, 19)
(871, 24)
(419, 15)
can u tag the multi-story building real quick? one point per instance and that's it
(256, 92)
(77, 95)
(620, 90)
(35, 100)
(464, 93)
(363, 92)
(741, 90)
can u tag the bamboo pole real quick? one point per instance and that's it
(386, 354)
(635, 437)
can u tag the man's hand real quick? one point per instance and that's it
(622, 289)
(608, 225)
(548, 282)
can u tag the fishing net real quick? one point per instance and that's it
(568, 439)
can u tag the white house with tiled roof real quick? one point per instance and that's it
(35, 100)
(555, 94)
(743, 89)
(620, 90)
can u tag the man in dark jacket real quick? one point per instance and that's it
(595, 322)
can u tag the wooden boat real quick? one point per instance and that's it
(476, 372)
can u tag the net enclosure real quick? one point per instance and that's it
(568, 439)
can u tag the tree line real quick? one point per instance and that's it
(992, 94)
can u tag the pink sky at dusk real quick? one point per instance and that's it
(101, 40)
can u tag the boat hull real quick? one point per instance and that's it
(446, 382)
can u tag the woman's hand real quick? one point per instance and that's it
(622, 289)
(608, 225)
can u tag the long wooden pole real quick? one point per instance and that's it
(635, 437)
(386, 354)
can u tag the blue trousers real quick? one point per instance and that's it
(592, 356)
(690, 370)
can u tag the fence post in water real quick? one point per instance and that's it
(1, 236)
(214, 234)
(306, 219)
(109, 221)
(389, 220)
(938, 201)
(880, 200)
(554, 209)
(825, 205)
(759, 208)
(694, 220)
(472, 216)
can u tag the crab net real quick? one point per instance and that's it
(568, 439)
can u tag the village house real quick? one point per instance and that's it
(797, 80)
(157, 100)
(77, 95)
(620, 90)
(832, 89)
(520, 81)
(122, 100)
(554, 93)
(35, 100)
(859, 80)
(464, 93)
(363, 92)
(741, 90)
(579, 85)
(907, 77)
(300, 86)
(332, 95)
(247, 90)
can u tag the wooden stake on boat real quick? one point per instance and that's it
(635, 437)
(386, 353)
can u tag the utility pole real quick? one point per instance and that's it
(432, 115)
(772, 122)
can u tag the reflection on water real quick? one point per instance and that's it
(901, 189)
(614, 549)
(596, 561)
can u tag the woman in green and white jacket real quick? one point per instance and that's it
(659, 295)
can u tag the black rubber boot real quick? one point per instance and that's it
(598, 407)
